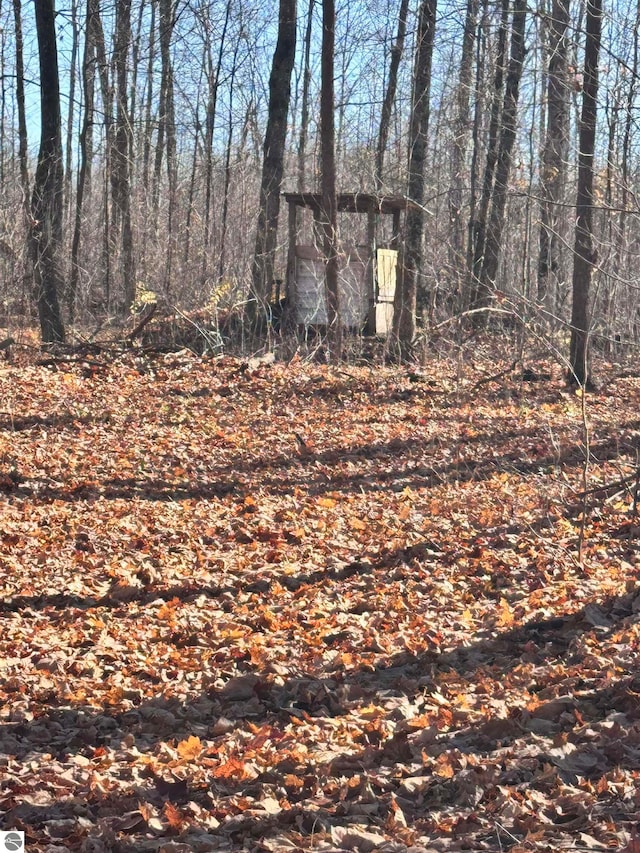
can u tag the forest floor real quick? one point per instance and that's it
(296, 607)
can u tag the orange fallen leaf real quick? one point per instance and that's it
(190, 748)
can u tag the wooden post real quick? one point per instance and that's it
(395, 230)
(371, 273)
(291, 293)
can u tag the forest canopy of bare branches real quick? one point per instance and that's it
(164, 107)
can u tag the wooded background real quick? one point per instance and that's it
(484, 113)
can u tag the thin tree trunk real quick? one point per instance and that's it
(3, 104)
(23, 140)
(71, 105)
(107, 105)
(133, 88)
(48, 190)
(405, 304)
(120, 171)
(192, 181)
(554, 155)
(167, 13)
(584, 252)
(460, 143)
(213, 79)
(621, 242)
(390, 94)
(495, 228)
(148, 112)
(227, 169)
(273, 162)
(328, 167)
(481, 51)
(480, 222)
(304, 112)
(86, 149)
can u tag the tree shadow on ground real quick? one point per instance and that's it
(537, 642)
(322, 472)
(575, 731)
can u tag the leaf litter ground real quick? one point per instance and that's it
(295, 607)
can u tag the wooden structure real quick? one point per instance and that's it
(367, 280)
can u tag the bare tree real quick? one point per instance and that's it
(328, 168)
(479, 223)
(493, 244)
(460, 142)
(121, 154)
(166, 139)
(22, 115)
(584, 251)
(71, 105)
(48, 190)
(273, 159)
(390, 93)
(304, 109)
(213, 81)
(405, 305)
(554, 155)
(86, 146)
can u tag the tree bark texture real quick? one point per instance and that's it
(390, 94)
(273, 161)
(495, 228)
(121, 157)
(48, 190)
(584, 252)
(22, 115)
(406, 298)
(459, 144)
(86, 147)
(479, 225)
(304, 110)
(328, 166)
(554, 155)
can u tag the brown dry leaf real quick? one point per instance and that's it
(190, 748)
(174, 816)
(389, 631)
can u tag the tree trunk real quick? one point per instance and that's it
(107, 106)
(584, 254)
(390, 94)
(227, 168)
(23, 143)
(148, 109)
(121, 164)
(48, 190)
(273, 161)
(495, 228)
(86, 148)
(213, 80)
(405, 304)
(328, 167)
(478, 227)
(554, 156)
(459, 147)
(304, 112)
(167, 118)
(71, 106)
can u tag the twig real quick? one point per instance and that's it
(143, 322)
(497, 376)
